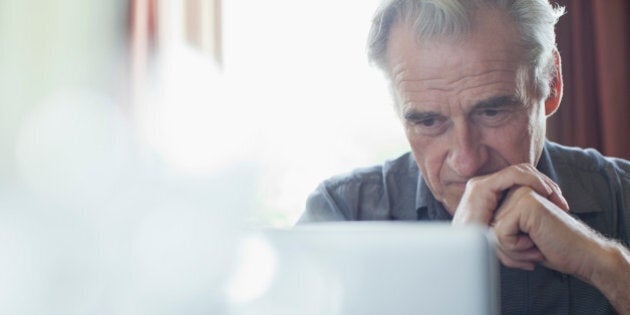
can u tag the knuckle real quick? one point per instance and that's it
(554, 185)
(523, 192)
(506, 244)
(474, 182)
(508, 262)
(523, 167)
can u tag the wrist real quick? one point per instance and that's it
(611, 273)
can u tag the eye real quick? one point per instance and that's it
(490, 112)
(492, 117)
(428, 126)
(427, 122)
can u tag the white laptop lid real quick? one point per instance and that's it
(381, 268)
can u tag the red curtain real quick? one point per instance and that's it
(594, 42)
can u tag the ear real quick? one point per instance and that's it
(555, 86)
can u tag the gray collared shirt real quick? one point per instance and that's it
(597, 189)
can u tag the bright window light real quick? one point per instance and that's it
(295, 96)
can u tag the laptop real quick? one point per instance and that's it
(381, 268)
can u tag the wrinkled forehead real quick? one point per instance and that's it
(493, 37)
(493, 44)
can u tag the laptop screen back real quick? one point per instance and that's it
(381, 268)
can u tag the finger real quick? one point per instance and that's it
(477, 205)
(511, 242)
(483, 194)
(556, 196)
(521, 242)
(519, 247)
(515, 242)
(532, 255)
(559, 201)
(511, 263)
(545, 186)
(506, 226)
(525, 175)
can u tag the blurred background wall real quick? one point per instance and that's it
(594, 42)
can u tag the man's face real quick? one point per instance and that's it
(460, 104)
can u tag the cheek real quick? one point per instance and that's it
(430, 155)
(514, 142)
(537, 131)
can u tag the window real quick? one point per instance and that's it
(282, 86)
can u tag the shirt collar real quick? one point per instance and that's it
(423, 194)
(545, 165)
(553, 164)
(427, 207)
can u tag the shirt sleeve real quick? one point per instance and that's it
(321, 207)
(623, 169)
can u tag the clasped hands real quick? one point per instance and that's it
(529, 216)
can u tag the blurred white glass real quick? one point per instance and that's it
(111, 204)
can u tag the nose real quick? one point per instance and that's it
(467, 155)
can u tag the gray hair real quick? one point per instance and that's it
(535, 20)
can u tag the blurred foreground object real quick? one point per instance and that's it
(372, 268)
(94, 219)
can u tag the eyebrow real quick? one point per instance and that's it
(493, 102)
(417, 116)
(498, 101)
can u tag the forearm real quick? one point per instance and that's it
(612, 276)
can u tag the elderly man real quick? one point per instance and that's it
(473, 82)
